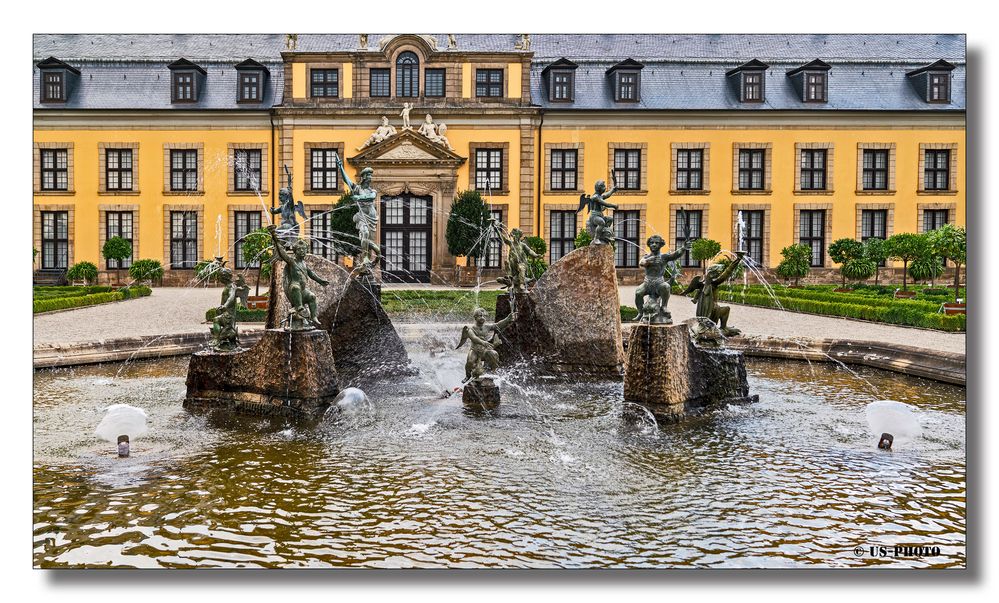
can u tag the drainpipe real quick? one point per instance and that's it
(273, 159)
(540, 174)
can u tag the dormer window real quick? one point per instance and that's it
(560, 77)
(815, 87)
(933, 82)
(53, 87)
(56, 80)
(250, 77)
(940, 87)
(749, 81)
(811, 81)
(186, 80)
(626, 81)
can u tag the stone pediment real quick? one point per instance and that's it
(406, 147)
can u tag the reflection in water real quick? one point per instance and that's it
(558, 479)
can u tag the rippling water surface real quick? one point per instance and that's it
(559, 479)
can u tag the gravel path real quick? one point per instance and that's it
(766, 322)
(182, 310)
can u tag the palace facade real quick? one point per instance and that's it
(178, 142)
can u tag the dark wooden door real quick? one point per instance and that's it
(407, 223)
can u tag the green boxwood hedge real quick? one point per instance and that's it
(242, 315)
(75, 299)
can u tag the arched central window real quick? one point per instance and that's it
(407, 74)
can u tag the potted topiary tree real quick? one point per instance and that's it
(905, 247)
(467, 227)
(876, 250)
(257, 248)
(951, 242)
(344, 236)
(85, 272)
(796, 263)
(117, 249)
(843, 251)
(536, 266)
(146, 271)
(927, 267)
(583, 239)
(703, 250)
(858, 269)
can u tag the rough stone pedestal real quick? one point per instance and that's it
(480, 394)
(570, 321)
(286, 373)
(361, 334)
(671, 375)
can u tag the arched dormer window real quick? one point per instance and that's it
(407, 74)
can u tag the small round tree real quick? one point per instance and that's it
(117, 249)
(344, 236)
(583, 239)
(842, 251)
(703, 250)
(876, 250)
(82, 271)
(905, 247)
(257, 248)
(858, 269)
(467, 225)
(951, 242)
(796, 263)
(146, 270)
(536, 266)
(926, 268)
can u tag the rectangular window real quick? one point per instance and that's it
(752, 87)
(563, 169)
(689, 221)
(751, 169)
(247, 169)
(939, 87)
(183, 87)
(183, 169)
(875, 177)
(813, 169)
(752, 234)
(626, 89)
(626, 228)
(55, 240)
(494, 252)
(561, 86)
(246, 222)
(53, 89)
(813, 233)
(815, 87)
(324, 171)
(489, 83)
(55, 169)
(119, 224)
(321, 241)
(562, 234)
(934, 219)
(324, 83)
(249, 87)
(873, 225)
(628, 168)
(434, 85)
(118, 169)
(183, 239)
(937, 170)
(488, 169)
(380, 82)
(689, 169)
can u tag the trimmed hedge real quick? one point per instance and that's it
(88, 299)
(242, 315)
(66, 291)
(898, 312)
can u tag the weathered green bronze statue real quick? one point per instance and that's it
(483, 354)
(224, 336)
(706, 296)
(366, 218)
(598, 225)
(518, 254)
(303, 314)
(288, 230)
(657, 285)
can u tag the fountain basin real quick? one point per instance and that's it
(286, 373)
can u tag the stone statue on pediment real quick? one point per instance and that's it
(383, 132)
(452, 43)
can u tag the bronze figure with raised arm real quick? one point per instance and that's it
(294, 280)
(597, 224)
(483, 354)
(366, 218)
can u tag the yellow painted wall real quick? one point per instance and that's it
(782, 199)
(298, 80)
(150, 185)
(348, 80)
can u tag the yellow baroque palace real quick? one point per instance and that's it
(179, 142)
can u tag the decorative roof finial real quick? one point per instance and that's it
(362, 41)
(291, 41)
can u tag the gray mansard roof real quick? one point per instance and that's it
(681, 71)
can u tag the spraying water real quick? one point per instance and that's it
(897, 418)
(122, 419)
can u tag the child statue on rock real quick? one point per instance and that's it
(656, 286)
(304, 309)
(483, 354)
(597, 224)
(706, 296)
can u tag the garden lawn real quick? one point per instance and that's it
(449, 305)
